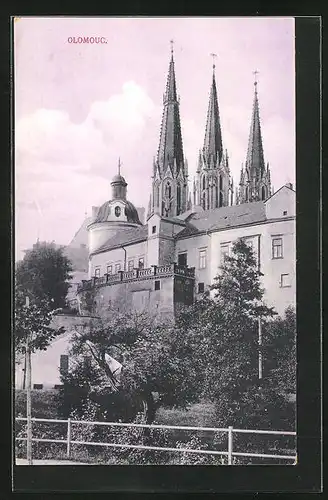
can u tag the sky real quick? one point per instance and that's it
(81, 106)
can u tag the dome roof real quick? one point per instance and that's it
(118, 178)
(107, 209)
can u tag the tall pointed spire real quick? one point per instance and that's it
(255, 180)
(213, 138)
(170, 143)
(255, 165)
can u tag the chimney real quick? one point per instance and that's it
(289, 185)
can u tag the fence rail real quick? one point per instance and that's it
(229, 430)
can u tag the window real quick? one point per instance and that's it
(110, 269)
(224, 252)
(153, 229)
(277, 248)
(117, 267)
(141, 263)
(157, 285)
(130, 265)
(117, 211)
(178, 199)
(202, 259)
(285, 280)
(97, 272)
(201, 287)
(182, 259)
(63, 363)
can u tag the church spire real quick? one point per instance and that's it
(255, 165)
(255, 180)
(170, 149)
(170, 169)
(213, 138)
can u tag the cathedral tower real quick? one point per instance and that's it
(212, 186)
(170, 171)
(255, 180)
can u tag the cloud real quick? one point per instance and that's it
(61, 165)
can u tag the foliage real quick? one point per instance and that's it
(225, 334)
(280, 355)
(33, 322)
(44, 274)
(155, 359)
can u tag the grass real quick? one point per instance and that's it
(44, 405)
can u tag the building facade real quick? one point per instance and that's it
(124, 263)
(177, 253)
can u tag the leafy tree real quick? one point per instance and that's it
(33, 321)
(44, 274)
(157, 367)
(279, 354)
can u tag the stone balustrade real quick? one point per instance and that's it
(137, 275)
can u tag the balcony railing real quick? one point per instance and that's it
(137, 275)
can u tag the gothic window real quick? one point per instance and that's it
(168, 190)
(204, 201)
(157, 196)
(221, 182)
(263, 193)
(246, 195)
(178, 199)
(204, 181)
(221, 199)
(216, 194)
(117, 211)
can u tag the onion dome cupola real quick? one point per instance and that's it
(117, 214)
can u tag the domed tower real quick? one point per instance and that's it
(113, 216)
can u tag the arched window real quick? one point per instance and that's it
(246, 193)
(216, 194)
(263, 193)
(221, 182)
(204, 182)
(178, 199)
(221, 199)
(203, 201)
(168, 190)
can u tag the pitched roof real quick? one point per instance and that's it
(224, 218)
(122, 238)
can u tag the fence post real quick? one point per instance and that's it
(68, 452)
(230, 445)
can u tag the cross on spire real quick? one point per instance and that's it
(119, 166)
(214, 56)
(255, 73)
(172, 44)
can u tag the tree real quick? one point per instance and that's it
(44, 274)
(157, 368)
(280, 357)
(33, 322)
